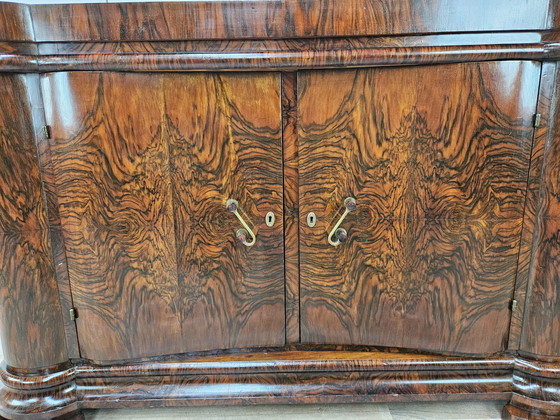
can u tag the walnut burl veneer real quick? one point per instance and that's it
(171, 173)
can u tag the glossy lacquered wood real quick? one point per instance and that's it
(143, 166)
(422, 110)
(437, 159)
(290, 152)
(15, 22)
(286, 19)
(32, 333)
(540, 135)
(274, 377)
(286, 54)
(542, 315)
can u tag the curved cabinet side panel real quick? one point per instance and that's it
(542, 316)
(31, 327)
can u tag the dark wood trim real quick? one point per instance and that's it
(290, 54)
(43, 404)
(304, 387)
(294, 361)
(284, 377)
(32, 380)
(291, 205)
(536, 391)
(274, 377)
(273, 55)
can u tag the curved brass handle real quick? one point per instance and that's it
(340, 233)
(241, 235)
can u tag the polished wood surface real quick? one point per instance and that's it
(536, 391)
(31, 330)
(542, 315)
(278, 54)
(286, 19)
(261, 377)
(143, 167)
(53, 213)
(290, 152)
(15, 22)
(540, 136)
(422, 110)
(437, 159)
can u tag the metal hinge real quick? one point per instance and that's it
(513, 305)
(73, 314)
(537, 120)
(46, 132)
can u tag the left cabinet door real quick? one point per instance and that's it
(144, 165)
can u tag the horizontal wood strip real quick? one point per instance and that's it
(280, 55)
(314, 387)
(298, 362)
(262, 362)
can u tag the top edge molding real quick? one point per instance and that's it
(267, 19)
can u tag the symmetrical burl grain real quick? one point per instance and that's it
(437, 158)
(144, 165)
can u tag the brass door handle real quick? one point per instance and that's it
(242, 234)
(338, 232)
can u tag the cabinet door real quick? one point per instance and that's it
(144, 165)
(437, 158)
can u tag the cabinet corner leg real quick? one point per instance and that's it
(50, 394)
(536, 391)
(517, 410)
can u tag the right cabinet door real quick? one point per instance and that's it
(437, 159)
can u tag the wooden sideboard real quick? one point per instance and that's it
(243, 202)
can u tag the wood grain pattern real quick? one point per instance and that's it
(291, 205)
(546, 90)
(542, 315)
(279, 54)
(286, 377)
(295, 377)
(55, 403)
(52, 210)
(286, 19)
(437, 158)
(31, 331)
(535, 391)
(143, 167)
(224, 134)
(257, 377)
(15, 22)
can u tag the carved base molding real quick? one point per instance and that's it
(284, 377)
(535, 391)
